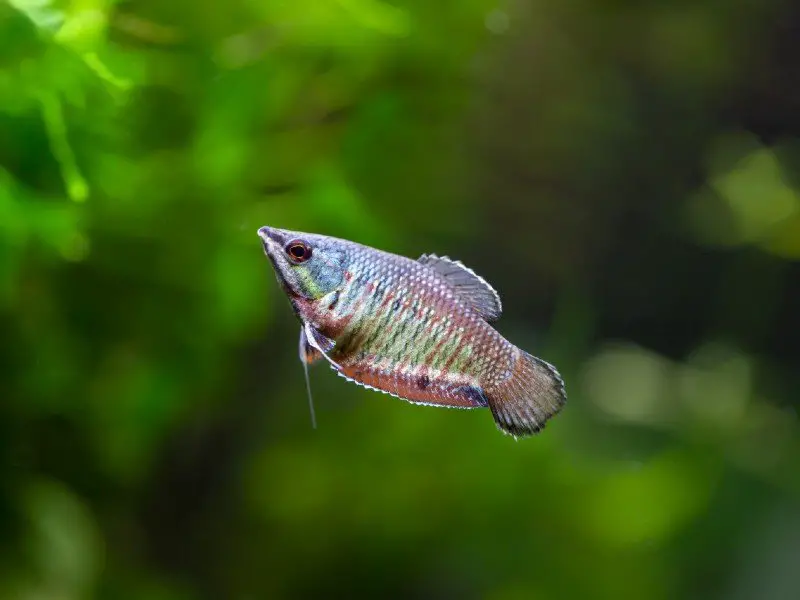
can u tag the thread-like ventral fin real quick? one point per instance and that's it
(524, 402)
(470, 286)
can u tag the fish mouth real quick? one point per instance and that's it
(272, 239)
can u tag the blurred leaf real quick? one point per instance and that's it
(748, 200)
(649, 503)
(62, 543)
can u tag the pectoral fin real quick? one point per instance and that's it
(317, 340)
(319, 344)
(308, 354)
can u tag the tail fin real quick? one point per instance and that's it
(528, 398)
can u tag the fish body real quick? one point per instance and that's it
(416, 329)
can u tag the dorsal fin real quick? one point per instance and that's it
(470, 286)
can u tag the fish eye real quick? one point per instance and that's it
(298, 251)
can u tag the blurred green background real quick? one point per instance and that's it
(626, 174)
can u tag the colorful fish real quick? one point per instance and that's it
(416, 329)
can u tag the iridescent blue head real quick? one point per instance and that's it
(307, 265)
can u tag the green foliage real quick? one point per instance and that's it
(153, 439)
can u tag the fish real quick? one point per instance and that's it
(421, 330)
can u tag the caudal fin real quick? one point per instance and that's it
(523, 403)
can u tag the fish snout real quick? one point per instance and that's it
(271, 238)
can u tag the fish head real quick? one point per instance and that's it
(307, 265)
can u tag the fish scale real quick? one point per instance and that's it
(417, 329)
